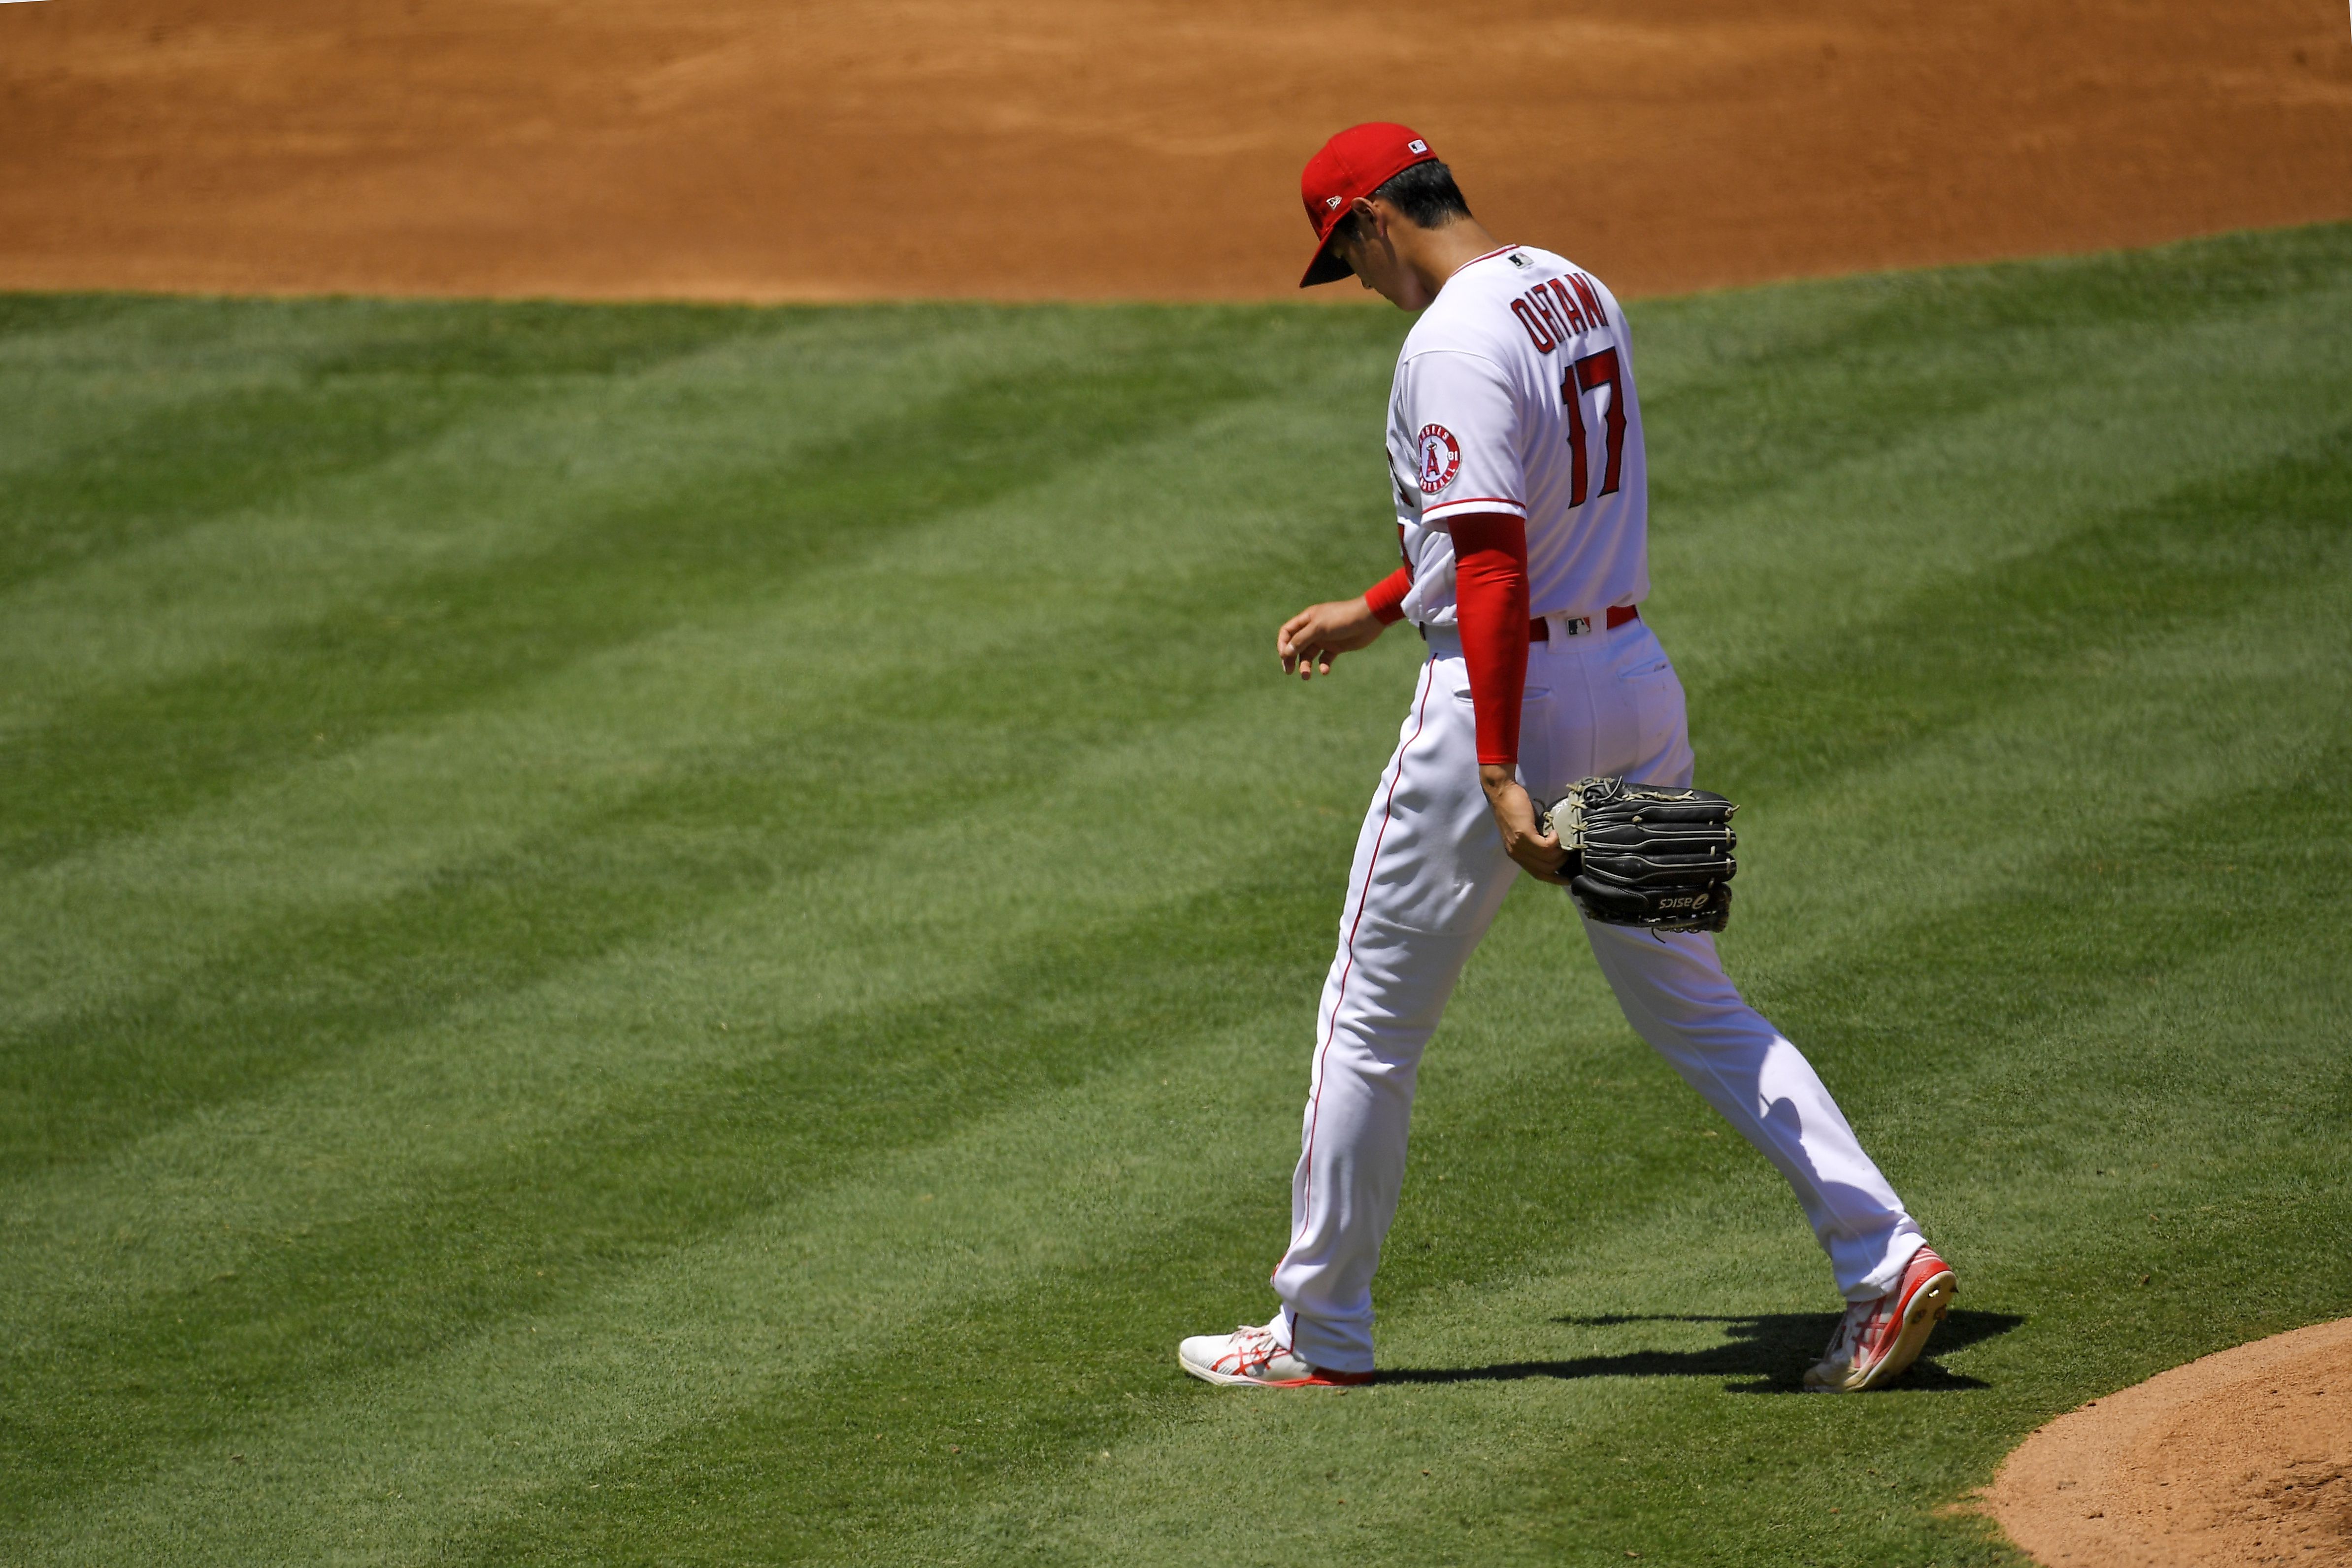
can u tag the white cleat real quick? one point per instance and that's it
(1252, 1355)
(1878, 1340)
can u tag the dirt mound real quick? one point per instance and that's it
(1082, 148)
(2242, 1458)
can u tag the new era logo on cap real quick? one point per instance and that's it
(1333, 201)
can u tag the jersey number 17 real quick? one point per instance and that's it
(1592, 372)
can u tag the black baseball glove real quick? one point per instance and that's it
(1644, 854)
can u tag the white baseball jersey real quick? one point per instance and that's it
(1514, 394)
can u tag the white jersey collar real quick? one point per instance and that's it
(1498, 250)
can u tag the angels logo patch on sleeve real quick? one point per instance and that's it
(1441, 458)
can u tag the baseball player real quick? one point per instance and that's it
(1515, 457)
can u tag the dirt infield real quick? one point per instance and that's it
(719, 148)
(2242, 1458)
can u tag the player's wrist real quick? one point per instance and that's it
(1384, 600)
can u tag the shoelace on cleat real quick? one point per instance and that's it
(1253, 1346)
(1853, 1337)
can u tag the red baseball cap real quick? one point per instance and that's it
(1356, 162)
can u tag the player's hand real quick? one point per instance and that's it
(1538, 853)
(1310, 640)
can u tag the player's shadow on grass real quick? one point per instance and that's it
(1771, 1351)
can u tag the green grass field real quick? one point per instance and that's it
(689, 936)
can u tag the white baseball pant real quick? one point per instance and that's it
(1429, 874)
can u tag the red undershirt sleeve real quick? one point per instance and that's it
(1490, 602)
(1387, 597)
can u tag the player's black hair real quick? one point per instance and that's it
(1426, 193)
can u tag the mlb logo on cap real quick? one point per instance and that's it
(1356, 162)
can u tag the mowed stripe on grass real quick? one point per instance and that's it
(782, 988)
